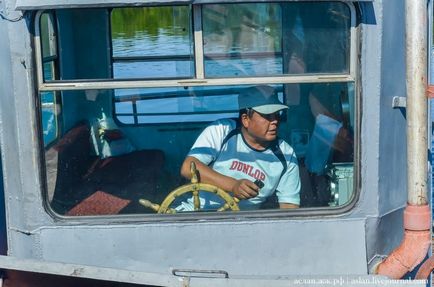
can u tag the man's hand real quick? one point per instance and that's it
(244, 189)
(241, 189)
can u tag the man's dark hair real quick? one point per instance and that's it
(248, 112)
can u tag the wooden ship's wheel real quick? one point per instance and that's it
(231, 203)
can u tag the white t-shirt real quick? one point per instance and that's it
(239, 160)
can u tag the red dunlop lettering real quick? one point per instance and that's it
(247, 169)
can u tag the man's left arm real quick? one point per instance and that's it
(288, 189)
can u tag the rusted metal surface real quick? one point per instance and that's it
(414, 246)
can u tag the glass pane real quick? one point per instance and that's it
(84, 44)
(100, 167)
(290, 38)
(241, 39)
(49, 71)
(48, 35)
(319, 35)
(321, 131)
(171, 105)
(238, 38)
(244, 67)
(49, 117)
(159, 40)
(49, 46)
(157, 69)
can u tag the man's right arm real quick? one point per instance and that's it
(242, 188)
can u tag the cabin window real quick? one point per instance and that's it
(48, 99)
(138, 85)
(152, 42)
(268, 39)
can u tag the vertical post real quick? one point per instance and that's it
(198, 41)
(417, 215)
(416, 80)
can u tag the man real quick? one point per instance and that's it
(233, 156)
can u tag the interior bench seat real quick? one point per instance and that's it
(84, 184)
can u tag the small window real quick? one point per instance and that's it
(269, 39)
(242, 39)
(152, 42)
(48, 100)
(49, 46)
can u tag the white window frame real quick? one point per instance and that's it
(199, 79)
(351, 76)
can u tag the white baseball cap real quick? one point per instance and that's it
(262, 99)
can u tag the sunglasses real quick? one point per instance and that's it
(271, 117)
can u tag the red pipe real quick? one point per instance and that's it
(413, 247)
(425, 269)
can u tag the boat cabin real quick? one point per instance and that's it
(101, 102)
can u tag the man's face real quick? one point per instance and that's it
(260, 127)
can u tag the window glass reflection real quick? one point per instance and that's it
(152, 42)
(100, 166)
(321, 130)
(276, 38)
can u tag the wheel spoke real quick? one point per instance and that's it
(196, 199)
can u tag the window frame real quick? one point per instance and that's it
(349, 77)
(55, 75)
(200, 79)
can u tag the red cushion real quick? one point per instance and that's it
(99, 203)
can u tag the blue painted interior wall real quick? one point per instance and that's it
(83, 38)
